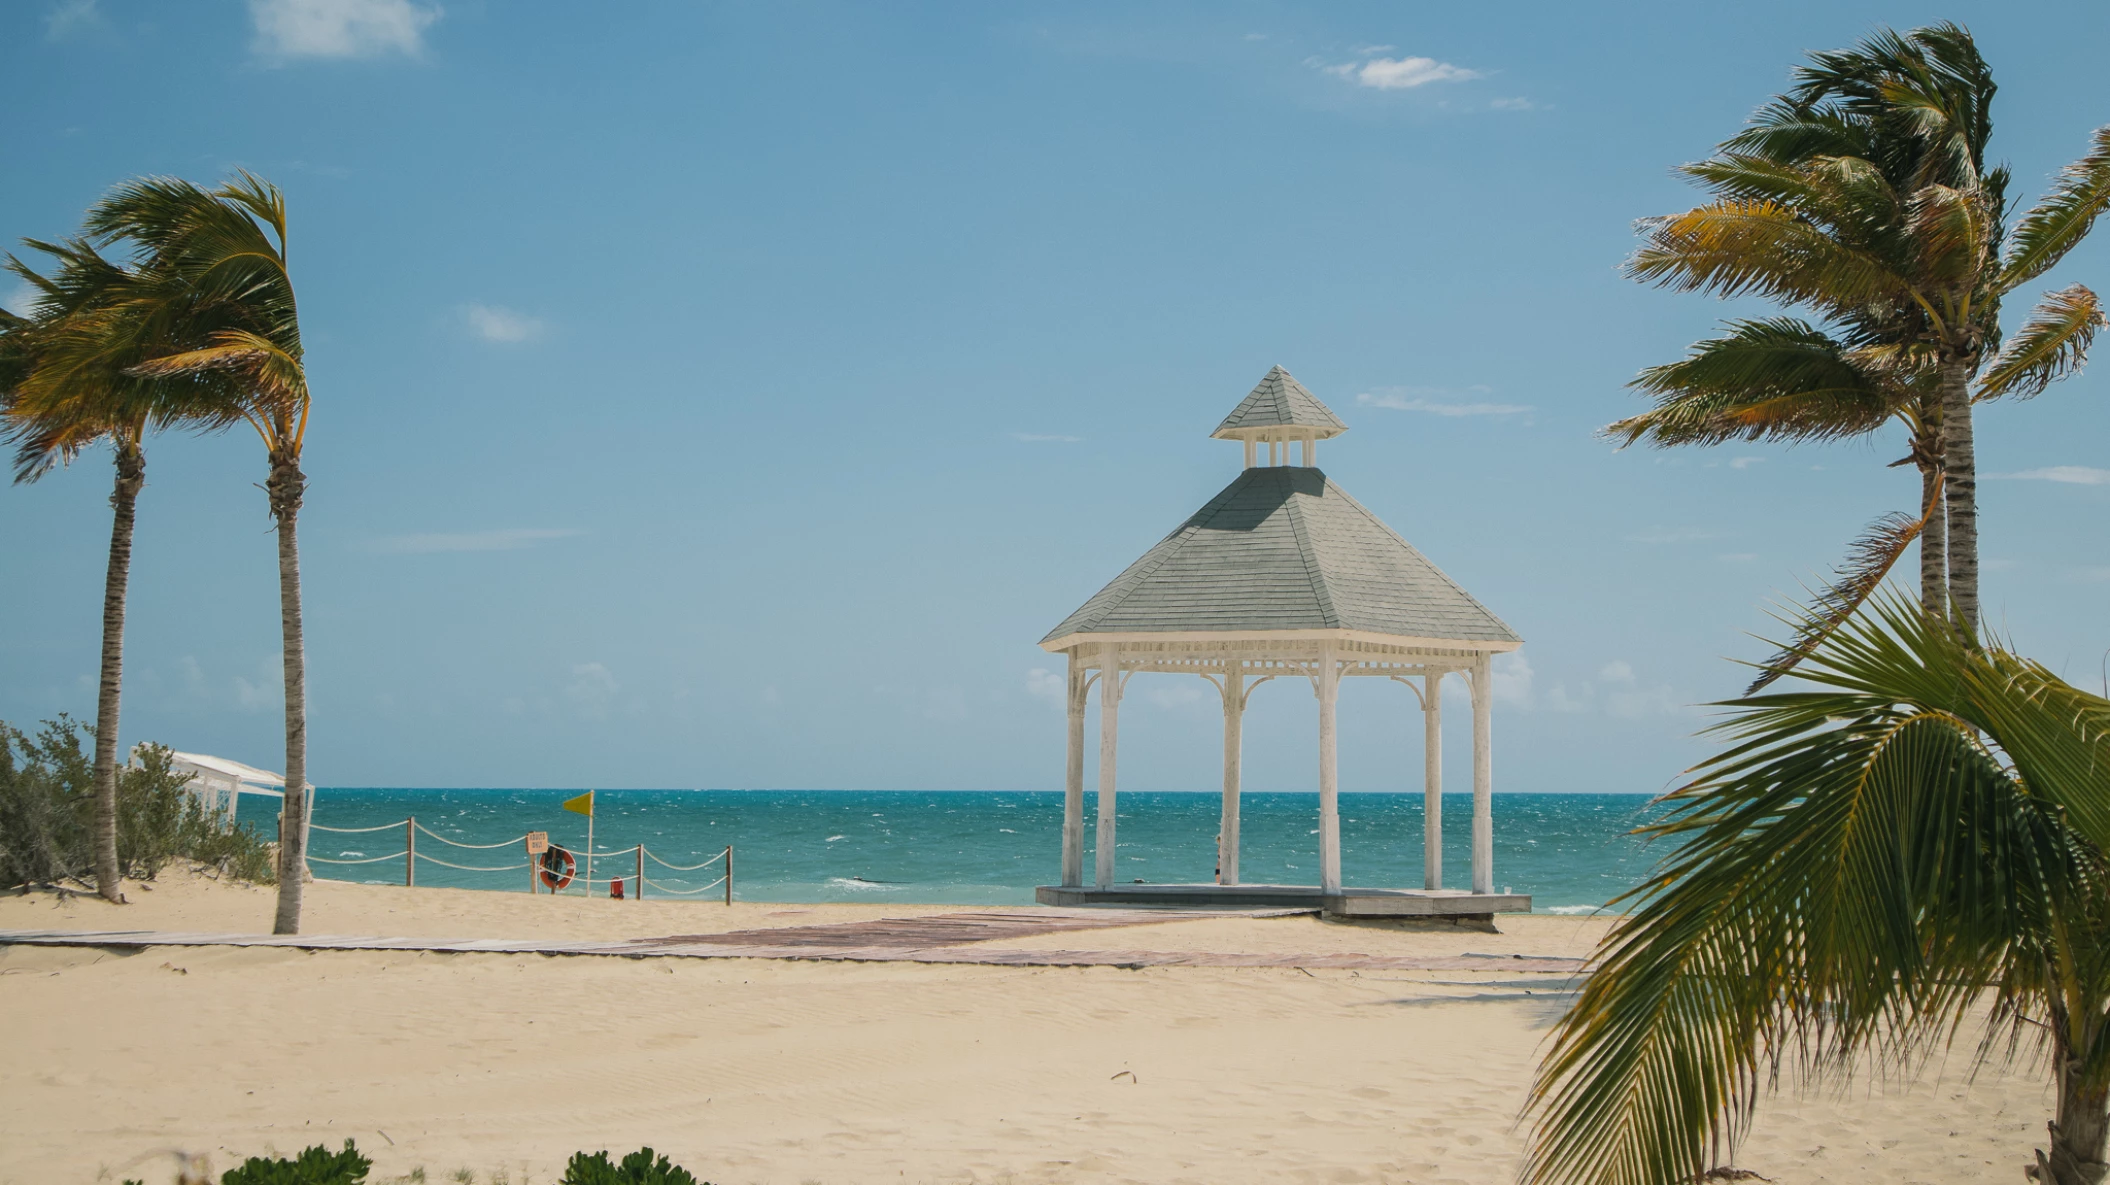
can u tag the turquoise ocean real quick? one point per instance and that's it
(1571, 852)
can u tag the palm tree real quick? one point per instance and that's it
(226, 302)
(63, 387)
(1870, 862)
(1863, 196)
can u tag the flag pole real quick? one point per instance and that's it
(589, 843)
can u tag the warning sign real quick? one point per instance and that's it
(537, 842)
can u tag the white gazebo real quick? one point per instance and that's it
(1283, 575)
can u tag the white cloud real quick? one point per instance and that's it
(339, 28)
(1042, 683)
(495, 324)
(592, 687)
(69, 17)
(2074, 475)
(1745, 462)
(1045, 438)
(1390, 74)
(1673, 535)
(1516, 104)
(1561, 701)
(1635, 703)
(1406, 399)
(1617, 671)
(508, 539)
(1512, 683)
(1173, 695)
(1256, 37)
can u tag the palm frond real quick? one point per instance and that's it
(1765, 379)
(2062, 219)
(1734, 248)
(1845, 880)
(2052, 345)
(1868, 562)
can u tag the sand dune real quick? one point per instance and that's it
(765, 1071)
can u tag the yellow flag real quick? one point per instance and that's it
(582, 805)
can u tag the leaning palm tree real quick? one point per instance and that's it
(1864, 197)
(1911, 845)
(226, 303)
(63, 388)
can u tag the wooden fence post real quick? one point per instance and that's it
(640, 871)
(728, 874)
(410, 851)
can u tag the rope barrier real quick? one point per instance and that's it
(368, 860)
(684, 867)
(683, 892)
(503, 843)
(469, 867)
(354, 830)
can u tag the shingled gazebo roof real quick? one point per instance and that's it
(1279, 401)
(1282, 548)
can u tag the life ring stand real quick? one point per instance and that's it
(557, 868)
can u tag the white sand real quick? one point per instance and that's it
(763, 1071)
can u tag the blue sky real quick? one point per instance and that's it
(731, 395)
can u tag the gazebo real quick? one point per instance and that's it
(1282, 575)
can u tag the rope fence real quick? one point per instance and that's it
(538, 873)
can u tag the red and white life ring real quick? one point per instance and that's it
(557, 868)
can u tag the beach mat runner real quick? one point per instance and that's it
(938, 938)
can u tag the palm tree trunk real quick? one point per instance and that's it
(1934, 530)
(2079, 1134)
(124, 500)
(285, 488)
(1960, 490)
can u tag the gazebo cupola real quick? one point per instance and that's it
(1282, 575)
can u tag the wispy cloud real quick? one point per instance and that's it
(1044, 684)
(1392, 74)
(1045, 438)
(495, 324)
(1745, 462)
(1673, 535)
(508, 539)
(1512, 679)
(2073, 475)
(339, 28)
(1518, 103)
(69, 17)
(20, 299)
(1443, 403)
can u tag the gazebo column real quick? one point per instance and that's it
(1073, 782)
(1432, 780)
(1483, 776)
(1234, 738)
(1109, 729)
(1329, 689)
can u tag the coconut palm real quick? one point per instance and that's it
(225, 300)
(63, 388)
(1863, 196)
(1910, 845)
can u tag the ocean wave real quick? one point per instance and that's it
(350, 855)
(833, 838)
(1573, 909)
(854, 885)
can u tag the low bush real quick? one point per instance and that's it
(47, 813)
(315, 1166)
(642, 1167)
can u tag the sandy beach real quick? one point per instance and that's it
(751, 1070)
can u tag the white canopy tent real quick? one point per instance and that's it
(218, 781)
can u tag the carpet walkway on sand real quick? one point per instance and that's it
(939, 938)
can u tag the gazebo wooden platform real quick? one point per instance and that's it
(1283, 575)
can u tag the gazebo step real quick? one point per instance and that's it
(1347, 903)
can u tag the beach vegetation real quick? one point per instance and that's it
(1903, 852)
(642, 1167)
(316, 1165)
(1863, 198)
(48, 811)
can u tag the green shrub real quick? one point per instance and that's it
(47, 813)
(315, 1166)
(641, 1167)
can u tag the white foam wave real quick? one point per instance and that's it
(858, 886)
(1573, 909)
(833, 838)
